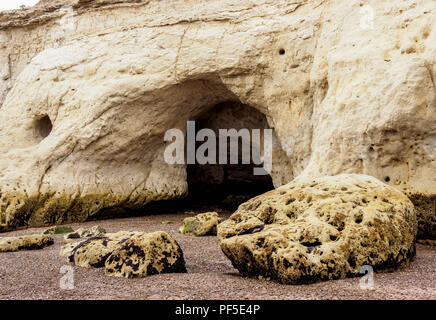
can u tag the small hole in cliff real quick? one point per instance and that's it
(43, 127)
(387, 179)
(282, 51)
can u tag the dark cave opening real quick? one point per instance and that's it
(230, 184)
(237, 186)
(216, 187)
(43, 127)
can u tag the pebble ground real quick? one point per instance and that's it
(36, 274)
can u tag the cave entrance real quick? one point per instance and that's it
(227, 185)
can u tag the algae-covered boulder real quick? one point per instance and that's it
(128, 254)
(327, 228)
(201, 225)
(29, 242)
(146, 254)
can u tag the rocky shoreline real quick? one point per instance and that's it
(210, 275)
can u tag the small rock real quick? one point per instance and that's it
(97, 230)
(72, 235)
(58, 230)
(93, 232)
(128, 254)
(144, 255)
(201, 225)
(30, 242)
(167, 222)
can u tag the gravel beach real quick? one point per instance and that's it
(36, 274)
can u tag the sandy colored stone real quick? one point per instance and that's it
(144, 255)
(72, 235)
(202, 224)
(83, 232)
(320, 229)
(93, 252)
(343, 93)
(127, 254)
(30, 242)
(92, 232)
(58, 230)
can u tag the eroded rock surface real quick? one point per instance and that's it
(30, 242)
(128, 254)
(326, 228)
(88, 93)
(201, 225)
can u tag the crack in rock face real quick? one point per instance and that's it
(321, 229)
(128, 254)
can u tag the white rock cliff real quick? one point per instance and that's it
(87, 92)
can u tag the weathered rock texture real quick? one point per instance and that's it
(30, 242)
(87, 93)
(201, 225)
(92, 232)
(326, 228)
(128, 254)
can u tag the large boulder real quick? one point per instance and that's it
(145, 255)
(326, 228)
(88, 93)
(29, 242)
(128, 254)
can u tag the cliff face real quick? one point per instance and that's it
(88, 90)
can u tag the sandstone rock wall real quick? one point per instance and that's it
(347, 89)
